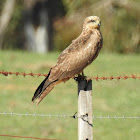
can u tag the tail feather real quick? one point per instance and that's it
(39, 89)
(44, 88)
(38, 98)
(44, 93)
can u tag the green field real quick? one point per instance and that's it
(109, 98)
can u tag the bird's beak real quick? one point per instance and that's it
(99, 23)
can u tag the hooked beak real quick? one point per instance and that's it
(99, 24)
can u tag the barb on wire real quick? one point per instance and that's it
(67, 116)
(6, 73)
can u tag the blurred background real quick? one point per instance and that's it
(32, 35)
(47, 25)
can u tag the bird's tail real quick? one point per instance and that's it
(42, 94)
(43, 89)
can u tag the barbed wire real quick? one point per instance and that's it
(67, 116)
(25, 137)
(6, 73)
(116, 117)
(132, 76)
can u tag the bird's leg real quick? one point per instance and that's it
(83, 76)
(87, 79)
(83, 73)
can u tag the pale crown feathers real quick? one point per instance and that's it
(92, 22)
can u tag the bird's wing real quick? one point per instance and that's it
(74, 59)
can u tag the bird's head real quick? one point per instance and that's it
(92, 22)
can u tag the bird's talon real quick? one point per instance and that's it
(80, 78)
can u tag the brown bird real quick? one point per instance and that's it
(78, 55)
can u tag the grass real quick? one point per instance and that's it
(109, 98)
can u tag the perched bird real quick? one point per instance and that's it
(78, 55)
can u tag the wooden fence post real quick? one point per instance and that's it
(85, 125)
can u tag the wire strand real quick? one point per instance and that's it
(25, 137)
(124, 77)
(66, 116)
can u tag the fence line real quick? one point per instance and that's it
(124, 77)
(82, 127)
(25, 137)
(66, 116)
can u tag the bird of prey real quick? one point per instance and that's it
(78, 55)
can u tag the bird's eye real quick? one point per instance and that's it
(92, 20)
